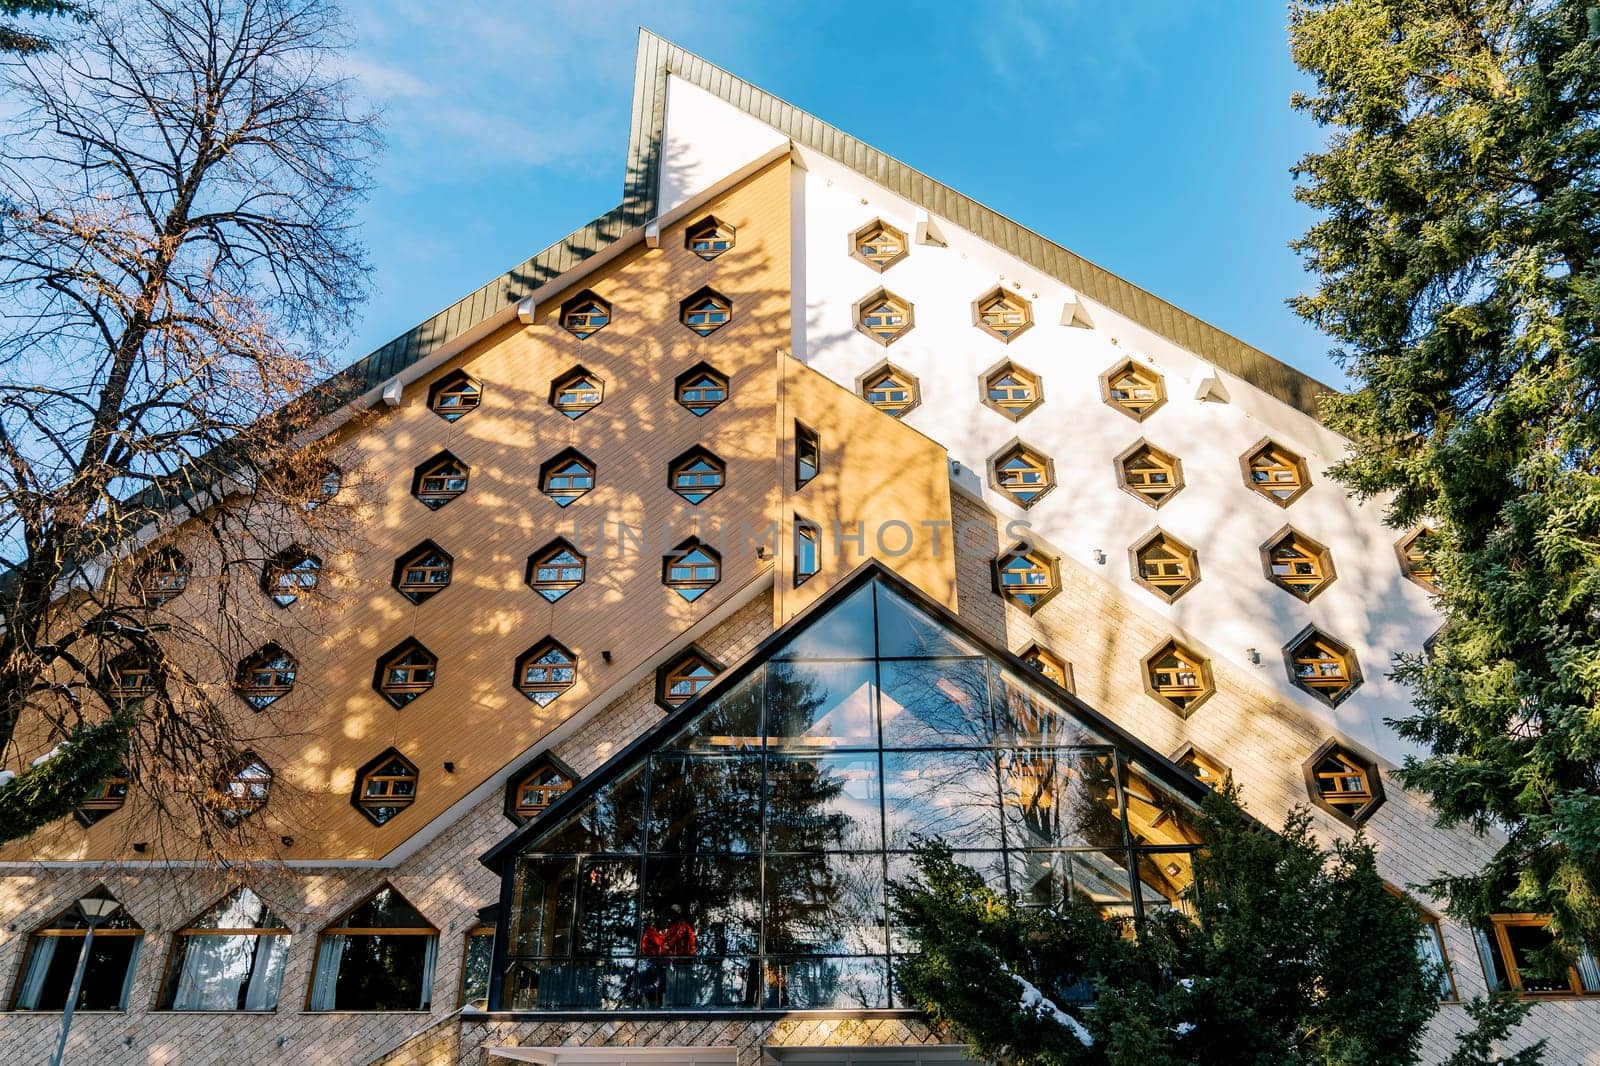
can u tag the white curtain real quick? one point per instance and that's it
(330, 955)
(427, 973)
(44, 952)
(215, 968)
(127, 977)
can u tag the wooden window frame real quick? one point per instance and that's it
(282, 579)
(575, 409)
(1282, 459)
(233, 795)
(565, 495)
(689, 381)
(1164, 587)
(1038, 562)
(805, 532)
(1161, 459)
(897, 306)
(1499, 930)
(878, 232)
(131, 663)
(704, 484)
(1048, 665)
(698, 585)
(542, 764)
(435, 496)
(338, 929)
(372, 806)
(458, 385)
(1311, 551)
(1013, 404)
(543, 557)
(163, 576)
(671, 671)
(415, 559)
(261, 696)
(1340, 805)
(807, 450)
(697, 304)
(1183, 700)
(868, 382)
(109, 796)
(50, 929)
(1039, 463)
(1214, 774)
(1294, 657)
(575, 317)
(1413, 563)
(171, 971)
(1150, 378)
(478, 931)
(984, 312)
(546, 691)
(401, 694)
(1433, 929)
(710, 231)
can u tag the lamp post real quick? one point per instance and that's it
(95, 910)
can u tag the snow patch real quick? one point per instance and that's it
(1036, 1002)
(6, 777)
(51, 754)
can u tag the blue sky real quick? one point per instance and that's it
(1153, 137)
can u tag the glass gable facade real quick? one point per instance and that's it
(739, 859)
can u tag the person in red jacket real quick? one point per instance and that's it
(679, 938)
(652, 980)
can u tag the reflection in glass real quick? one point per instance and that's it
(823, 802)
(991, 865)
(823, 704)
(935, 703)
(1051, 878)
(542, 900)
(719, 896)
(817, 984)
(846, 632)
(825, 904)
(906, 632)
(948, 795)
(1058, 799)
(1025, 717)
(682, 819)
(1164, 878)
(732, 722)
(613, 820)
(1155, 815)
(608, 898)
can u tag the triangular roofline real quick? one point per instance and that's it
(1158, 765)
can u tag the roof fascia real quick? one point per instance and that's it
(658, 58)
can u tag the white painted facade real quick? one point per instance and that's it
(1370, 606)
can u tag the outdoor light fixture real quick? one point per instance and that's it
(1253, 655)
(95, 910)
(606, 655)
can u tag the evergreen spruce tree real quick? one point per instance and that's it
(1458, 269)
(1290, 954)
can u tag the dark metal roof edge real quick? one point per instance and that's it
(658, 57)
(1170, 775)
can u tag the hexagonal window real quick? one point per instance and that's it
(405, 672)
(1343, 782)
(1050, 665)
(585, 315)
(696, 474)
(385, 786)
(1178, 677)
(890, 389)
(545, 671)
(1322, 665)
(454, 395)
(423, 571)
(1149, 473)
(1002, 314)
(884, 317)
(130, 676)
(107, 798)
(683, 678)
(577, 392)
(1011, 390)
(1296, 563)
(163, 576)
(290, 574)
(1276, 473)
(1204, 768)
(1165, 565)
(265, 677)
(706, 311)
(690, 569)
(566, 477)
(701, 388)
(531, 792)
(879, 245)
(1022, 473)
(1137, 391)
(440, 480)
(1026, 577)
(241, 789)
(1416, 561)
(709, 237)
(556, 569)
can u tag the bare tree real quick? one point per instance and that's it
(176, 246)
